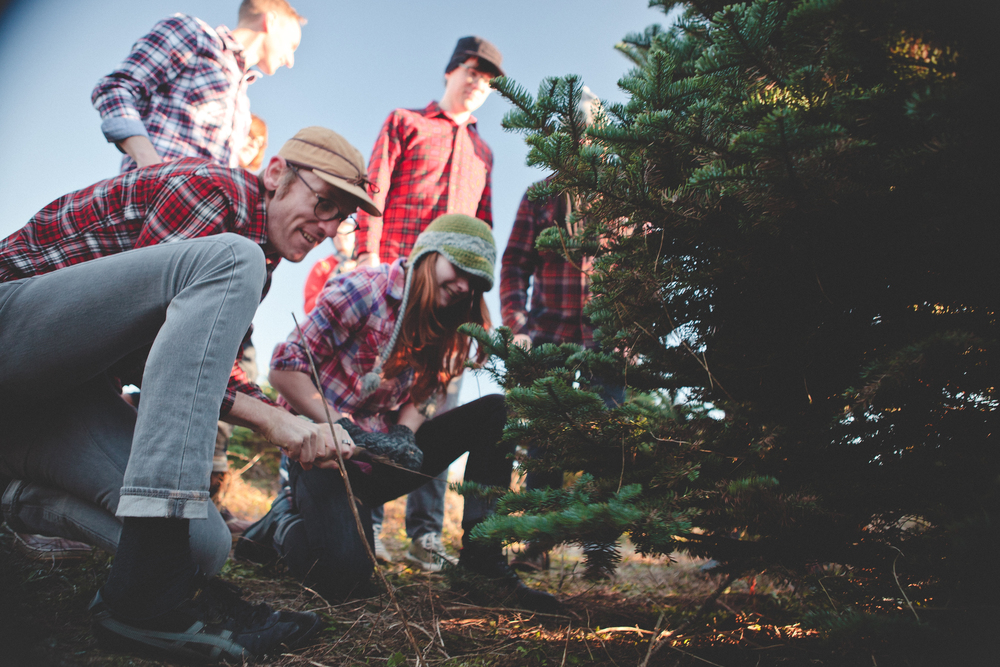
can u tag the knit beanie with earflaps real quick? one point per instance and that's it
(464, 241)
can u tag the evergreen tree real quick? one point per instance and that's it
(794, 219)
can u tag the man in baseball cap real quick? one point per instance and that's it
(426, 163)
(164, 265)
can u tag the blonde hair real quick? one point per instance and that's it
(252, 10)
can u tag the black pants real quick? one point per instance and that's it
(322, 545)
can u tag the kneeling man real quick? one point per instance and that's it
(166, 264)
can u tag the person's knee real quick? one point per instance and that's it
(248, 258)
(494, 413)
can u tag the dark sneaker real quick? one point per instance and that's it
(256, 544)
(489, 562)
(215, 624)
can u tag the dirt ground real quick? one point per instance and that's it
(654, 611)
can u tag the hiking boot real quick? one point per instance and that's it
(489, 562)
(52, 549)
(532, 559)
(214, 624)
(427, 552)
(381, 553)
(257, 544)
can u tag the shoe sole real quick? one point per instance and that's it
(305, 637)
(424, 565)
(57, 556)
(117, 637)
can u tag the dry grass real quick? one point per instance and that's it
(458, 622)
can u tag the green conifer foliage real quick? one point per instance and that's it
(795, 222)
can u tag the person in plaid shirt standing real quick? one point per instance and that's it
(426, 163)
(559, 292)
(182, 91)
(167, 263)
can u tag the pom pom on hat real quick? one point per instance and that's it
(371, 381)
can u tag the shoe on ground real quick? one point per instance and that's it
(256, 544)
(214, 624)
(532, 559)
(381, 553)
(490, 562)
(56, 549)
(427, 552)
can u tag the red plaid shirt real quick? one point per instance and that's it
(168, 202)
(424, 165)
(560, 290)
(184, 87)
(346, 331)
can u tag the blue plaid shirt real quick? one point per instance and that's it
(184, 87)
(350, 326)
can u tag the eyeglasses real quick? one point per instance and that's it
(325, 209)
(477, 74)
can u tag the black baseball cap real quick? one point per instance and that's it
(476, 47)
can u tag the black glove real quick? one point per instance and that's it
(399, 445)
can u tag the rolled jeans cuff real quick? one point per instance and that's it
(163, 503)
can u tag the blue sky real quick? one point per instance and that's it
(357, 61)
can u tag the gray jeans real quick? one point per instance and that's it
(84, 455)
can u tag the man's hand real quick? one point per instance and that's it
(522, 340)
(303, 441)
(309, 443)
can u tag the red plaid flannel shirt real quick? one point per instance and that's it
(346, 331)
(560, 290)
(183, 86)
(178, 200)
(424, 165)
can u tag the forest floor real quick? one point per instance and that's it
(654, 611)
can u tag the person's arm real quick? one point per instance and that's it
(516, 268)
(485, 209)
(156, 58)
(386, 152)
(298, 389)
(306, 442)
(410, 417)
(140, 149)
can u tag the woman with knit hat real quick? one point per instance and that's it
(386, 343)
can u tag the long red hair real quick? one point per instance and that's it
(429, 340)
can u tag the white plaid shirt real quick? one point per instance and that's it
(184, 87)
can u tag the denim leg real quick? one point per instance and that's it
(324, 548)
(425, 507)
(476, 428)
(76, 458)
(191, 301)
(29, 507)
